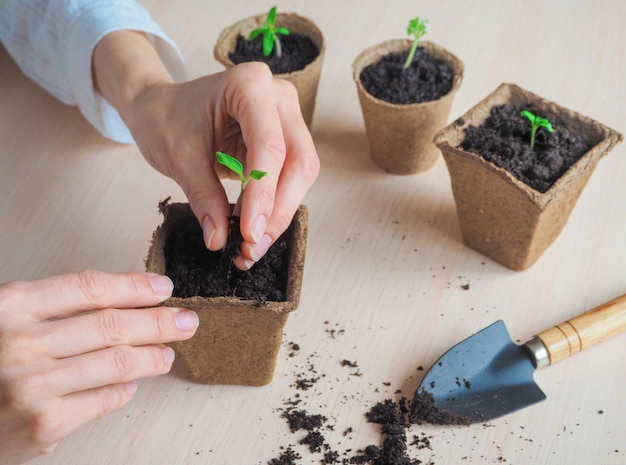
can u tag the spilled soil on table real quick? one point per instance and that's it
(394, 417)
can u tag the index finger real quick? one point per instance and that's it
(66, 295)
(251, 101)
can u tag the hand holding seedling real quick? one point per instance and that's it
(417, 29)
(235, 165)
(536, 123)
(270, 34)
(243, 111)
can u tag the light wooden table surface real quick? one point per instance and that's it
(386, 263)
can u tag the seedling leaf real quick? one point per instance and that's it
(257, 174)
(268, 44)
(230, 162)
(271, 16)
(254, 34)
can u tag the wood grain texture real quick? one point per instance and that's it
(388, 283)
(572, 336)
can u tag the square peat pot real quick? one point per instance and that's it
(238, 340)
(499, 215)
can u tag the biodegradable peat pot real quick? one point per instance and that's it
(238, 340)
(499, 215)
(306, 80)
(400, 136)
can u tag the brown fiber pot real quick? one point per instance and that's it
(400, 136)
(305, 80)
(500, 216)
(237, 341)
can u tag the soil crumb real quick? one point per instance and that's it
(288, 457)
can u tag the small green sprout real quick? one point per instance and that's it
(270, 34)
(536, 123)
(417, 29)
(236, 166)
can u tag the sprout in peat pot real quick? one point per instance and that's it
(270, 34)
(417, 29)
(536, 123)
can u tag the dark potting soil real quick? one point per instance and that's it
(197, 271)
(297, 51)
(504, 140)
(423, 409)
(427, 78)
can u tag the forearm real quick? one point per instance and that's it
(124, 64)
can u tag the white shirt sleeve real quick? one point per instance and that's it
(52, 41)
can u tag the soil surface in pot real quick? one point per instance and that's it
(197, 271)
(297, 51)
(427, 78)
(504, 140)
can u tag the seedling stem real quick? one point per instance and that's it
(417, 29)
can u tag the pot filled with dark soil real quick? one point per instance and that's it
(300, 61)
(512, 199)
(242, 313)
(404, 108)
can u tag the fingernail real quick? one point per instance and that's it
(187, 320)
(131, 387)
(258, 228)
(162, 286)
(248, 264)
(168, 355)
(260, 248)
(208, 230)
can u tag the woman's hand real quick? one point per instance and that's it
(71, 348)
(243, 111)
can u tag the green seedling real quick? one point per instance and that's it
(536, 123)
(416, 29)
(235, 165)
(270, 34)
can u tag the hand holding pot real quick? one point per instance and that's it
(243, 111)
(71, 348)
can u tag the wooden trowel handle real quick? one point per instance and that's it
(583, 331)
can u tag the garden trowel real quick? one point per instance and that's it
(487, 375)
